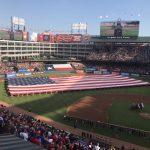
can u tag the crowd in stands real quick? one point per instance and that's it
(6, 68)
(39, 67)
(31, 66)
(77, 65)
(115, 56)
(10, 67)
(40, 133)
(125, 54)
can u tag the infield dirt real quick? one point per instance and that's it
(96, 108)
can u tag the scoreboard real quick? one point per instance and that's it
(18, 35)
(119, 29)
(4, 34)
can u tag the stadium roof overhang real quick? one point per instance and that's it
(98, 39)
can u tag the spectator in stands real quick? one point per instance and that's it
(1, 125)
(97, 147)
(125, 54)
(112, 148)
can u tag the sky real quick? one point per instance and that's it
(59, 15)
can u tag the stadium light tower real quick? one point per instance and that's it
(79, 28)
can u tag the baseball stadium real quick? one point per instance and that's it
(75, 91)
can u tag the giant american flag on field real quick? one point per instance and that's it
(22, 86)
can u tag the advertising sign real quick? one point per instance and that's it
(10, 75)
(4, 34)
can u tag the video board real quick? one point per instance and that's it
(4, 34)
(119, 29)
(18, 35)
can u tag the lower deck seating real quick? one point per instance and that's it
(11, 142)
(36, 131)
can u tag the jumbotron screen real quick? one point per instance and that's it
(119, 29)
(4, 35)
(18, 35)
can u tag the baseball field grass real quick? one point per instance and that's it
(121, 114)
